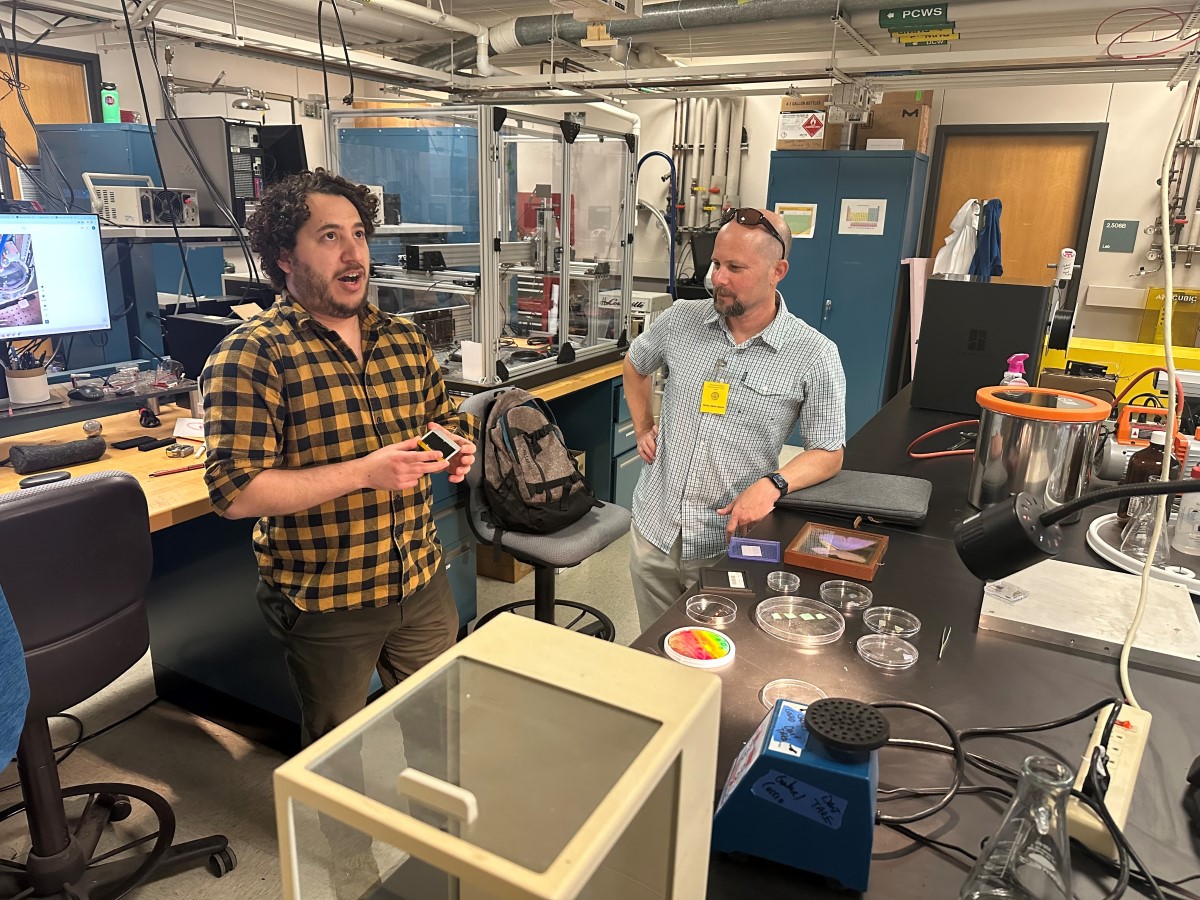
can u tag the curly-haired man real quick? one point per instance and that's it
(313, 412)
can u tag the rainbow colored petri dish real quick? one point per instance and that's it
(703, 648)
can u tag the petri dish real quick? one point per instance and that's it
(702, 648)
(783, 582)
(800, 620)
(847, 596)
(790, 689)
(887, 651)
(891, 620)
(711, 609)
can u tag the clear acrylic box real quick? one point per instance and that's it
(526, 762)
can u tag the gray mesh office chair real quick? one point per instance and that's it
(545, 552)
(75, 559)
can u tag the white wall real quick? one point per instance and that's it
(1140, 118)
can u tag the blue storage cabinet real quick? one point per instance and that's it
(626, 463)
(848, 285)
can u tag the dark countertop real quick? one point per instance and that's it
(984, 678)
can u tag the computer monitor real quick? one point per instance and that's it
(51, 275)
(283, 151)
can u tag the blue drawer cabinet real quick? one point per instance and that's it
(626, 469)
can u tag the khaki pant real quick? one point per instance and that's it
(659, 579)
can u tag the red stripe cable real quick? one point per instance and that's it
(940, 453)
(1178, 387)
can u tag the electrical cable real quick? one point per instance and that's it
(1174, 401)
(175, 124)
(69, 747)
(137, 68)
(337, 15)
(932, 842)
(1119, 838)
(959, 763)
(670, 216)
(940, 453)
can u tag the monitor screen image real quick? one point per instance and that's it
(51, 276)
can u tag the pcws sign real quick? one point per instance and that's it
(904, 18)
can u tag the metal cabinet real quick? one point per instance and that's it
(846, 279)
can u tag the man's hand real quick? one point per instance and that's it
(647, 444)
(461, 464)
(398, 467)
(749, 508)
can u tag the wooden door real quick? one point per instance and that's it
(56, 91)
(1044, 178)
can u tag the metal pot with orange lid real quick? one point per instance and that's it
(1034, 439)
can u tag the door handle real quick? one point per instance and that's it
(828, 309)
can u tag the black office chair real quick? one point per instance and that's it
(75, 560)
(545, 552)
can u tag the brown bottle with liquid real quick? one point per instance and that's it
(1144, 465)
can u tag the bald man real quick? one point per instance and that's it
(742, 371)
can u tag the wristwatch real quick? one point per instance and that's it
(779, 481)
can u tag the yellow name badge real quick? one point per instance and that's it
(714, 398)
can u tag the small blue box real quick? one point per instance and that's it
(754, 551)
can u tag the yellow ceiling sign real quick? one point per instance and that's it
(921, 37)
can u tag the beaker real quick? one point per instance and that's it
(1028, 857)
(1135, 539)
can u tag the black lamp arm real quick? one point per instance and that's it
(1143, 489)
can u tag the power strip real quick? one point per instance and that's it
(1125, 747)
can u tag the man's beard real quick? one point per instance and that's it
(734, 309)
(316, 296)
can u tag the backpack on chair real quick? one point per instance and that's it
(530, 480)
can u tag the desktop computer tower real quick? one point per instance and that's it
(232, 156)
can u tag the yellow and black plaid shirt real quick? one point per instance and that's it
(285, 392)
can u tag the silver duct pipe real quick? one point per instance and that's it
(733, 170)
(530, 31)
(720, 153)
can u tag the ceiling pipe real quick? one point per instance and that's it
(450, 23)
(530, 31)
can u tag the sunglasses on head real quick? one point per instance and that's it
(751, 217)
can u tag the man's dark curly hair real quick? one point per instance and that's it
(283, 210)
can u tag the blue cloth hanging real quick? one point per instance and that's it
(14, 685)
(986, 262)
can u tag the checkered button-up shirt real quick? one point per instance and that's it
(788, 373)
(285, 392)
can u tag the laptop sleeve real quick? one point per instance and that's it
(881, 498)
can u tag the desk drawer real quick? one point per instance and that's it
(626, 470)
(624, 438)
(620, 407)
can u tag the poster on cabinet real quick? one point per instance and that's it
(801, 218)
(862, 217)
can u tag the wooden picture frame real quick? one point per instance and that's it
(842, 551)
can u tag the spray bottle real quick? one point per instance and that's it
(1016, 370)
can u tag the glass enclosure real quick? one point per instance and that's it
(478, 246)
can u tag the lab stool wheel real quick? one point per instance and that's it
(222, 862)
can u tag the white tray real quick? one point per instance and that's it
(1104, 536)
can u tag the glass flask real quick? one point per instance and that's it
(1028, 857)
(1135, 539)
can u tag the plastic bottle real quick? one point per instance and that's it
(1142, 465)
(1187, 525)
(110, 104)
(1016, 370)
(1028, 858)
